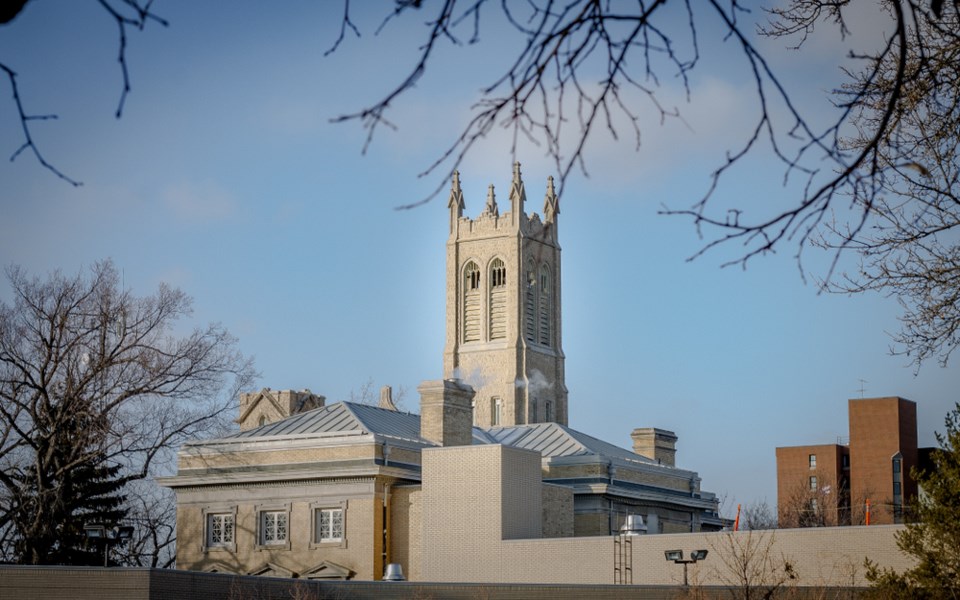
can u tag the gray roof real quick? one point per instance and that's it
(349, 417)
(555, 440)
(550, 439)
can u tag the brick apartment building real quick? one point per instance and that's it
(832, 484)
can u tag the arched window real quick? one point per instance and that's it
(471, 303)
(498, 299)
(530, 304)
(545, 306)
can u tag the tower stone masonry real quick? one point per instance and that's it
(503, 330)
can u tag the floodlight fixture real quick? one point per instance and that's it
(677, 557)
(94, 532)
(674, 555)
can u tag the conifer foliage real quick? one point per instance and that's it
(934, 538)
(96, 390)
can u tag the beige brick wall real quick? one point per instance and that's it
(557, 506)
(406, 529)
(820, 556)
(477, 494)
(463, 497)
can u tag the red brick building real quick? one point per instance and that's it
(831, 484)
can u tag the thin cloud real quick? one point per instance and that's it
(199, 201)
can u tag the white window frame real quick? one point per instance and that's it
(280, 510)
(496, 412)
(316, 508)
(812, 461)
(814, 484)
(212, 513)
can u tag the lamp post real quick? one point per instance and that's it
(677, 557)
(100, 534)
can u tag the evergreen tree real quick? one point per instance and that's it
(80, 487)
(934, 538)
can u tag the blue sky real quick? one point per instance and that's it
(226, 178)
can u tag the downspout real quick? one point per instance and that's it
(386, 525)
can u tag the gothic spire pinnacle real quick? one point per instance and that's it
(456, 195)
(518, 194)
(491, 207)
(551, 204)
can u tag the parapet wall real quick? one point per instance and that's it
(476, 498)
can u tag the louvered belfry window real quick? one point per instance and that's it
(471, 303)
(498, 300)
(544, 312)
(530, 306)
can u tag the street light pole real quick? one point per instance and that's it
(677, 557)
(116, 535)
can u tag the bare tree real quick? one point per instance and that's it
(93, 376)
(887, 193)
(759, 516)
(823, 506)
(908, 192)
(367, 394)
(747, 564)
(127, 14)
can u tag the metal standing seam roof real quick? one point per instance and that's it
(342, 417)
(555, 440)
(550, 439)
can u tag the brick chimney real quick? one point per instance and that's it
(446, 416)
(658, 444)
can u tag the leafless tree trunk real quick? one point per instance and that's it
(93, 375)
(747, 563)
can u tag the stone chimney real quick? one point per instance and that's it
(268, 406)
(658, 444)
(386, 398)
(446, 416)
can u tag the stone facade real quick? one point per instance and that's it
(503, 308)
(267, 406)
(311, 490)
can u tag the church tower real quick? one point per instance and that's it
(503, 308)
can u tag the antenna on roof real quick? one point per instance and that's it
(862, 388)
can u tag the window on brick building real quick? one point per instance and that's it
(220, 528)
(329, 525)
(813, 483)
(273, 527)
(812, 459)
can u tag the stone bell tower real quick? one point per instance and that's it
(503, 308)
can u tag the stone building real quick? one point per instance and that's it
(312, 490)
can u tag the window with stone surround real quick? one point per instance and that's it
(496, 407)
(498, 299)
(328, 524)
(471, 303)
(273, 527)
(220, 529)
(530, 305)
(545, 307)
